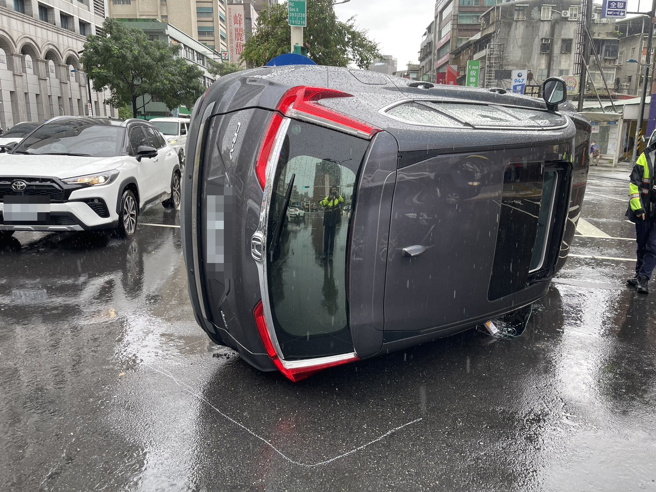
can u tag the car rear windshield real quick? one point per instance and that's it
(166, 127)
(307, 260)
(20, 130)
(77, 137)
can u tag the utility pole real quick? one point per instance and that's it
(645, 83)
(584, 50)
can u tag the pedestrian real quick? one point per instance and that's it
(331, 216)
(642, 211)
(595, 152)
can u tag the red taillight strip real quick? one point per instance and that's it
(302, 103)
(295, 370)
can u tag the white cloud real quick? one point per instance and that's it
(396, 25)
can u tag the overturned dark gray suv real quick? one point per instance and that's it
(331, 215)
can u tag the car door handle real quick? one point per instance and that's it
(412, 251)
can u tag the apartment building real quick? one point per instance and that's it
(202, 20)
(40, 72)
(386, 64)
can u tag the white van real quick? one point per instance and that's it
(175, 133)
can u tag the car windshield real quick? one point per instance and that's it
(166, 127)
(20, 130)
(74, 137)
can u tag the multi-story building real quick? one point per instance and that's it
(455, 21)
(426, 55)
(40, 71)
(203, 20)
(385, 64)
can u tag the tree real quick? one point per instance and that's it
(222, 69)
(136, 69)
(328, 41)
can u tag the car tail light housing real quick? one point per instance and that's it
(295, 370)
(302, 103)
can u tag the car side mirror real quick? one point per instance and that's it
(146, 151)
(554, 92)
(7, 147)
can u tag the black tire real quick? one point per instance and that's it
(128, 215)
(176, 192)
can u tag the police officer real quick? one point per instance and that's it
(642, 211)
(331, 217)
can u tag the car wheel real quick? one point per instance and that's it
(128, 215)
(176, 193)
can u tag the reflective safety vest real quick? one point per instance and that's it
(640, 184)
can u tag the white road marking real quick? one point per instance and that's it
(625, 200)
(159, 225)
(587, 229)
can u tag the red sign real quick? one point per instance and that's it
(452, 75)
(440, 78)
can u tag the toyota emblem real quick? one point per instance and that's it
(19, 185)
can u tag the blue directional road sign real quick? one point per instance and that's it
(614, 9)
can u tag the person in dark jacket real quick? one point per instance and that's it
(332, 214)
(642, 211)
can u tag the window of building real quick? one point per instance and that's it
(19, 6)
(469, 3)
(490, 3)
(566, 45)
(520, 12)
(611, 49)
(444, 50)
(85, 28)
(205, 31)
(222, 16)
(545, 13)
(204, 11)
(468, 18)
(446, 29)
(222, 34)
(563, 73)
(67, 22)
(43, 13)
(448, 8)
(573, 13)
(543, 73)
(545, 45)
(122, 2)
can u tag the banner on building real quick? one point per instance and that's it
(236, 34)
(518, 81)
(473, 73)
(452, 75)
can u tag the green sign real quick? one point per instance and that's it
(473, 71)
(297, 13)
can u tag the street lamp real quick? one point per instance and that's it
(89, 103)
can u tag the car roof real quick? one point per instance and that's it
(89, 120)
(171, 119)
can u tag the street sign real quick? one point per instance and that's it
(297, 13)
(518, 81)
(473, 72)
(613, 9)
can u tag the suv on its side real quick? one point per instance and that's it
(175, 133)
(76, 173)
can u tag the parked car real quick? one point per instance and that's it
(175, 133)
(17, 132)
(462, 203)
(78, 173)
(294, 212)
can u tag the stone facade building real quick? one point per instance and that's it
(40, 72)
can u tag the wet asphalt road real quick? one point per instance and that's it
(107, 383)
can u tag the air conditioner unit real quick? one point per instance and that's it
(565, 13)
(594, 16)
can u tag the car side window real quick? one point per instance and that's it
(137, 138)
(183, 128)
(152, 138)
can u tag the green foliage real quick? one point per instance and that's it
(328, 40)
(222, 69)
(131, 66)
(125, 112)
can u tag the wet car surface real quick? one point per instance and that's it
(108, 384)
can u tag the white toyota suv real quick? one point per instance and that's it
(79, 173)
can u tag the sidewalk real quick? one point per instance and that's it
(605, 168)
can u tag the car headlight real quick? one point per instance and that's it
(99, 179)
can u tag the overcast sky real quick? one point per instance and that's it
(396, 25)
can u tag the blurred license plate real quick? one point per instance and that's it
(26, 208)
